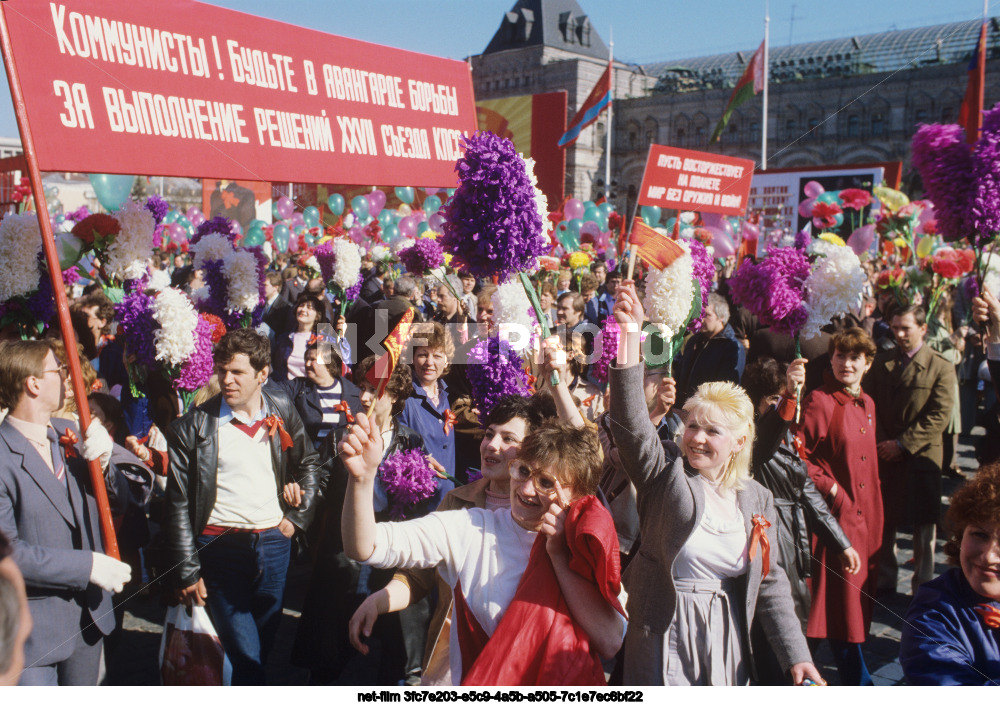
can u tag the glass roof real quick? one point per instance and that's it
(865, 54)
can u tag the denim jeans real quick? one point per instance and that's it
(244, 575)
(849, 659)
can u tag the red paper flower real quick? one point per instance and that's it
(855, 198)
(99, 226)
(825, 214)
(952, 264)
(218, 328)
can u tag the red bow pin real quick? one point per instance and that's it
(449, 421)
(68, 442)
(344, 409)
(759, 537)
(989, 614)
(274, 423)
(589, 401)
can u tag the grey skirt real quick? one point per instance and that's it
(704, 643)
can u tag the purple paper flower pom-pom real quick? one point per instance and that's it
(943, 159)
(219, 224)
(158, 207)
(773, 289)
(493, 226)
(408, 480)
(609, 350)
(494, 370)
(197, 370)
(425, 254)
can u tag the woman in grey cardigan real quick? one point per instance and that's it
(706, 567)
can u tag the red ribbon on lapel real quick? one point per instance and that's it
(68, 442)
(274, 423)
(989, 614)
(759, 536)
(449, 421)
(344, 408)
(589, 401)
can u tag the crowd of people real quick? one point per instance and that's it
(711, 520)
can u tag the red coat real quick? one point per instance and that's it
(838, 441)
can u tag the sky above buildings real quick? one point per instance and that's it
(644, 31)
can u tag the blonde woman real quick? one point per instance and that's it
(707, 567)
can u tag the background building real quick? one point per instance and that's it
(839, 101)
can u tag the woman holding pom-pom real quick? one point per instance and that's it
(707, 567)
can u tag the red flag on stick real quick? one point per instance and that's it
(394, 343)
(656, 249)
(970, 115)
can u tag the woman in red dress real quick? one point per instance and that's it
(837, 436)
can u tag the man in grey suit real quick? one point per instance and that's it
(49, 513)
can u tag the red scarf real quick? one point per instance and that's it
(537, 642)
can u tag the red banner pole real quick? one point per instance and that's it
(55, 272)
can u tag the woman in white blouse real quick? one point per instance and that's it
(707, 566)
(482, 554)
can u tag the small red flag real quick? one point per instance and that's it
(656, 249)
(394, 343)
(970, 116)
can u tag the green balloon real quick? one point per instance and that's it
(336, 204)
(404, 193)
(651, 215)
(254, 236)
(591, 213)
(431, 204)
(385, 218)
(310, 215)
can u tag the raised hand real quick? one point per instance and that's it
(361, 449)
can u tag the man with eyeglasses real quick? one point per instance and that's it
(48, 511)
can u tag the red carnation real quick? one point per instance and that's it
(855, 198)
(97, 227)
(825, 214)
(218, 328)
(946, 267)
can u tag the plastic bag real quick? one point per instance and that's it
(191, 653)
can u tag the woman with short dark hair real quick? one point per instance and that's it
(288, 357)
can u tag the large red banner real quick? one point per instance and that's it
(180, 88)
(695, 181)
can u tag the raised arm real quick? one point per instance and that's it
(361, 452)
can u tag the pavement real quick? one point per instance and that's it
(134, 660)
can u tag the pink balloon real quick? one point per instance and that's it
(408, 226)
(750, 232)
(436, 221)
(193, 213)
(356, 234)
(573, 209)
(806, 207)
(376, 202)
(197, 219)
(297, 220)
(293, 243)
(861, 240)
(719, 222)
(813, 189)
(722, 243)
(176, 231)
(285, 208)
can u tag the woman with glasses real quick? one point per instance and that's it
(707, 567)
(521, 614)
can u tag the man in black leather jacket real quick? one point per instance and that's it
(229, 527)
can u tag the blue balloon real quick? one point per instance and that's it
(310, 215)
(385, 218)
(405, 193)
(112, 190)
(422, 228)
(651, 215)
(390, 234)
(336, 204)
(431, 204)
(830, 197)
(281, 235)
(359, 205)
(607, 208)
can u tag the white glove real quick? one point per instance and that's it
(110, 574)
(97, 445)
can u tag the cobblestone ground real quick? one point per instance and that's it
(134, 660)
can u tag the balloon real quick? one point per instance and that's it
(721, 243)
(829, 197)
(589, 232)
(651, 215)
(293, 243)
(750, 232)
(193, 213)
(310, 238)
(925, 246)
(408, 226)
(607, 208)
(311, 216)
(236, 227)
(112, 190)
(376, 202)
(391, 234)
(715, 221)
(403, 210)
(404, 193)
(591, 213)
(890, 198)
(450, 192)
(281, 237)
(589, 204)
(422, 228)
(806, 208)
(861, 240)
(254, 237)
(284, 208)
(436, 221)
(671, 222)
(171, 216)
(356, 234)
(177, 231)
(573, 210)
(296, 220)
(431, 204)
(336, 204)
(197, 219)
(359, 204)
(384, 218)
(813, 189)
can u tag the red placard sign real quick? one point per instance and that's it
(180, 88)
(695, 181)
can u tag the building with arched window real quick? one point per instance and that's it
(837, 101)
